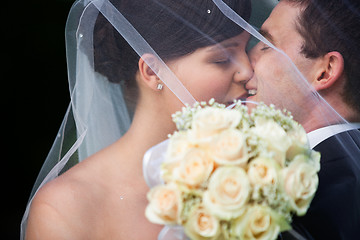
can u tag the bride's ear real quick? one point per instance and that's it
(148, 68)
(330, 72)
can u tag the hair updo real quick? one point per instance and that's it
(170, 37)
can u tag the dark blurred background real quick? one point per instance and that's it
(35, 97)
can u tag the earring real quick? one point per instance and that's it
(159, 86)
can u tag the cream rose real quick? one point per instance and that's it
(228, 192)
(277, 139)
(258, 222)
(230, 148)
(300, 183)
(164, 204)
(194, 169)
(178, 146)
(201, 225)
(315, 159)
(208, 122)
(263, 172)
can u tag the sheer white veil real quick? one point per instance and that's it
(101, 109)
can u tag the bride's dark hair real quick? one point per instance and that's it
(173, 28)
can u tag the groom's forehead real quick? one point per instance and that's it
(281, 23)
(284, 15)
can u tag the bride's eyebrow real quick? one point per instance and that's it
(220, 46)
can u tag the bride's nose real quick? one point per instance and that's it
(244, 71)
(253, 56)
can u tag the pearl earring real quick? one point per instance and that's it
(159, 86)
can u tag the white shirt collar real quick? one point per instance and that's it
(317, 136)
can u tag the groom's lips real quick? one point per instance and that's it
(251, 93)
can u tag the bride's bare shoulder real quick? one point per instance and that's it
(81, 179)
(49, 212)
(60, 206)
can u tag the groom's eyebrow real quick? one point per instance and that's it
(267, 35)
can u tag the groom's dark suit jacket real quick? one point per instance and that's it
(334, 212)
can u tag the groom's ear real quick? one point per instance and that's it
(331, 71)
(148, 69)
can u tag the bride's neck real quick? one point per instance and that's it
(149, 127)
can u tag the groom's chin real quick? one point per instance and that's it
(251, 102)
(252, 98)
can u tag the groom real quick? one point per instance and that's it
(322, 37)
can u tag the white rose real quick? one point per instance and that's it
(228, 192)
(258, 222)
(263, 172)
(300, 181)
(299, 142)
(275, 136)
(208, 122)
(194, 169)
(164, 204)
(230, 148)
(201, 225)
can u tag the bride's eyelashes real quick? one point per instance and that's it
(222, 61)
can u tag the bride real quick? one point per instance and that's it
(132, 64)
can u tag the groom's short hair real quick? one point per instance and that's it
(333, 25)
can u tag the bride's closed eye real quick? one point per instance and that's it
(220, 58)
(222, 61)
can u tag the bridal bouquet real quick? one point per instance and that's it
(230, 174)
